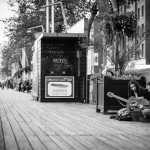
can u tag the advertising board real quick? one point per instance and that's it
(59, 87)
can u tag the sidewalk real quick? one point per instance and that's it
(26, 124)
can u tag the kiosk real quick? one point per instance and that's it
(59, 68)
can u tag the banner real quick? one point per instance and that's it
(24, 60)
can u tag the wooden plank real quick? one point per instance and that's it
(9, 138)
(44, 137)
(67, 125)
(61, 143)
(119, 143)
(92, 143)
(21, 139)
(74, 143)
(64, 123)
(33, 138)
(134, 144)
(35, 117)
(49, 129)
(2, 147)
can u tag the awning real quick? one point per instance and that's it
(140, 71)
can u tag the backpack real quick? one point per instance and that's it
(124, 115)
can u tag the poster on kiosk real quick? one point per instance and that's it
(59, 87)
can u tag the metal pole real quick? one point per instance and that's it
(47, 17)
(63, 13)
(52, 17)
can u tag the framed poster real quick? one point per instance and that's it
(59, 87)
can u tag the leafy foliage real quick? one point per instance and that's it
(28, 14)
(116, 26)
(126, 23)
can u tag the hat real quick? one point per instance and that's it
(104, 72)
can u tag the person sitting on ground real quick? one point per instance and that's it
(136, 90)
(146, 110)
(140, 93)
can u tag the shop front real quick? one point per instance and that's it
(59, 68)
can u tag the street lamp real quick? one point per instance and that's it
(40, 26)
(36, 34)
(52, 15)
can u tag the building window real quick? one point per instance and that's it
(138, 31)
(138, 13)
(95, 59)
(142, 29)
(142, 11)
(142, 50)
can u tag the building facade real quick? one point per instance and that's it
(141, 59)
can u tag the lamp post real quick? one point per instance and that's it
(40, 26)
(38, 33)
(52, 15)
(47, 17)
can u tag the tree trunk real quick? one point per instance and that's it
(117, 51)
(136, 34)
(94, 11)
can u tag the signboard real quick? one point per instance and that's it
(59, 87)
(58, 58)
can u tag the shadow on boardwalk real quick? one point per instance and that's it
(26, 124)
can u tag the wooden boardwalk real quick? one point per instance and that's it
(26, 124)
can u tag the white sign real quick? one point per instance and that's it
(59, 89)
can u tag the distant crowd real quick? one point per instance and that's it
(21, 86)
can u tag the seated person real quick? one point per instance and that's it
(146, 110)
(139, 93)
(136, 90)
(132, 110)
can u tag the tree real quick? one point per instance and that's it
(6, 57)
(118, 24)
(29, 14)
(116, 28)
